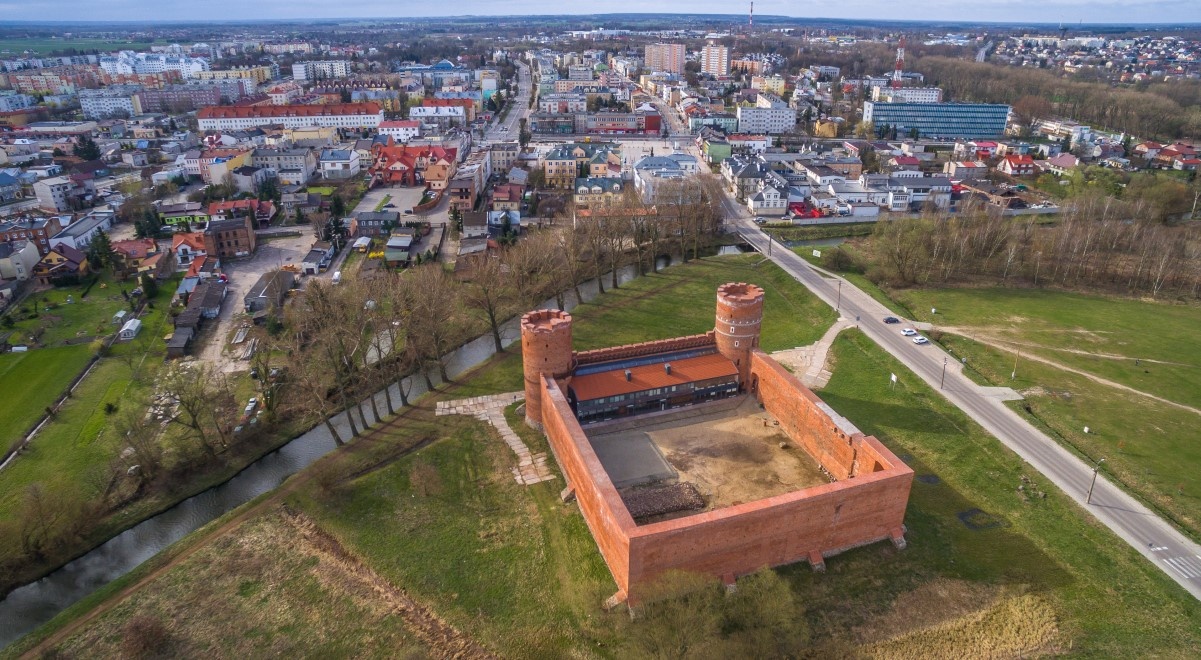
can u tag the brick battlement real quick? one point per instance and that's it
(645, 348)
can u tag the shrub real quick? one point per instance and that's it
(145, 636)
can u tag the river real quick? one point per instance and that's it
(34, 604)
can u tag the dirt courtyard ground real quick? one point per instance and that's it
(731, 456)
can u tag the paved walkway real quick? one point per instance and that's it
(530, 468)
(809, 363)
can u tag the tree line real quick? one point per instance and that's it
(347, 341)
(1097, 243)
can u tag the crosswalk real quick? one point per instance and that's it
(1189, 567)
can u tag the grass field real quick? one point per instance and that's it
(33, 380)
(1150, 347)
(324, 191)
(58, 321)
(516, 570)
(51, 44)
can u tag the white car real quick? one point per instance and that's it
(909, 332)
(919, 340)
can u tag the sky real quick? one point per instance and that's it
(1024, 11)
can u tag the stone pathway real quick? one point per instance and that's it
(809, 362)
(530, 468)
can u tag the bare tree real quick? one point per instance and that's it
(489, 289)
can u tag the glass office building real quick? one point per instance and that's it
(969, 121)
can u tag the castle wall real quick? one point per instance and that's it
(644, 348)
(603, 509)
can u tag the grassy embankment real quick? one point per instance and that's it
(516, 570)
(1139, 344)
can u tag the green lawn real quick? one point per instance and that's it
(324, 191)
(517, 570)
(33, 380)
(57, 321)
(48, 44)
(1108, 600)
(1149, 446)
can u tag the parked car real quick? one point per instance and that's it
(919, 340)
(891, 319)
(909, 332)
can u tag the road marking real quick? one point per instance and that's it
(1183, 567)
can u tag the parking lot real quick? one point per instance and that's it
(243, 273)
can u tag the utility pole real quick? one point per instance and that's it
(838, 305)
(943, 380)
(1089, 499)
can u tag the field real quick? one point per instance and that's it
(31, 381)
(999, 562)
(48, 319)
(48, 45)
(1074, 357)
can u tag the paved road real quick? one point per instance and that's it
(1156, 539)
(507, 131)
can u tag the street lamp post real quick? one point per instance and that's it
(1096, 468)
(838, 305)
(943, 381)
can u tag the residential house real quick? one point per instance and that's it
(260, 211)
(1060, 164)
(186, 214)
(475, 224)
(507, 197)
(501, 222)
(248, 178)
(269, 292)
(599, 190)
(966, 169)
(401, 131)
(227, 239)
(339, 164)
(36, 230)
(141, 255)
(568, 162)
(406, 165)
(292, 166)
(17, 259)
(309, 204)
(1015, 165)
(504, 155)
(374, 224)
(62, 263)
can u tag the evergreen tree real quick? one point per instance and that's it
(337, 207)
(149, 286)
(86, 148)
(100, 251)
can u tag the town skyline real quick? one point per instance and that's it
(1068, 12)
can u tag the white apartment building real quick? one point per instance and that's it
(52, 193)
(769, 115)
(320, 70)
(111, 101)
(907, 95)
(665, 57)
(401, 130)
(715, 60)
(10, 101)
(340, 115)
(128, 62)
(443, 116)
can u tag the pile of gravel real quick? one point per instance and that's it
(658, 500)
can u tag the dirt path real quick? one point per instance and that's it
(972, 333)
(202, 538)
(1008, 346)
(444, 640)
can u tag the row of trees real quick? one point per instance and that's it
(1096, 243)
(345, 342)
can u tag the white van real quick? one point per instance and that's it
(337, 276)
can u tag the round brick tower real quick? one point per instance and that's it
(739, 315)
(545, 349)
